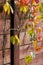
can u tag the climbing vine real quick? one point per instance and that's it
(33, 11)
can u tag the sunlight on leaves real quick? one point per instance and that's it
(7, 8)
(24, 9)
(28, 59)
(15, 40)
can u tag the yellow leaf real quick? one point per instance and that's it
(21, 9)
(5, 7)
(24, 9)
(34, 43)
(39, 17)
(17, 39)
(8, 11)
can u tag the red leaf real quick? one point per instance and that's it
(37, 1)
(24, 2)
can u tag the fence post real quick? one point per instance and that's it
(12, 33)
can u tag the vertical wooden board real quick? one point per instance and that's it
(1, 58)
(1, 25)
(7, 56)
(24, 39)
(7, 41)
(8, 64)
(7, 26)
(1, 1)
(16, 54)
(1, 41)
(21, 62)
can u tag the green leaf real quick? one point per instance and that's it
(40, 7)
(28, 59)
(31, 32)
(15, 40)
